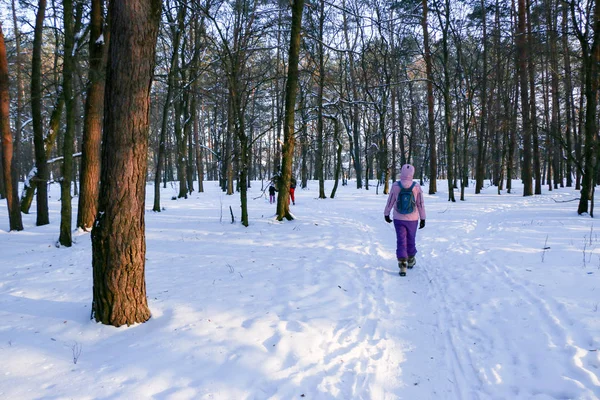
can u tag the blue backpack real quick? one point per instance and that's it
(405, 204)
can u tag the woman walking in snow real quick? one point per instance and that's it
(406, 198)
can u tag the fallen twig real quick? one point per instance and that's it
(564, 201)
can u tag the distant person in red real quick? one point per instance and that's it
(292, 190)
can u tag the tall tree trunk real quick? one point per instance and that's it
(579, 134)
(304, 139)
(548, 167)
(533, 108)
(430, 105)
(500, 121)
(523, 59)
(2, 187)
(180, 146)
(162, 142)
(413, 121)
(480, 168)
(198, 31)
(187, 131)
(590, 64)
(402, 128)
(42, 173)
(568, 90)
(8, 167)
(118, 238)
(320, 119)
(393, 89)
(338, 159)
(512, 140)
(92, 120)
(283, 206)
(228, 149)
(20, 95)
(66, 208)
(355, 116)
(277, 101)
(445, 23)
(199, 155)
(551, 19)
(181, 117)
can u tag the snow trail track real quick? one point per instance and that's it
(315, 306)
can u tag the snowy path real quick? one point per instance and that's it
(504, 336)
(315, 307)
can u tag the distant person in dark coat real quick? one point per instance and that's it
(272, 191)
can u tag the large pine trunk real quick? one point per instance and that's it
(118, 238)
(20, 95)
(8, 167)
(283, 207)
(92, 124)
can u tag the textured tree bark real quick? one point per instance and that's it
(591, 59)
(320, 155)
(2, 187)
(92, 124)
(118, 237)
(283, 207)
(512, 140)
(180, 107)
(66, 208)
(42, 217)
(480, 166)
(8, 167)
(20, 95)
(523, 58)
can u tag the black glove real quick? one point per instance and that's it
(422, 224)
(388, 219)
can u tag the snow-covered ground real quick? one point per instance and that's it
(502, 304)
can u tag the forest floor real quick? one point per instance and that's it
(502, 304)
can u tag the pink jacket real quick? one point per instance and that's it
(406, 178)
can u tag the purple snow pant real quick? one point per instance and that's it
(405, 238)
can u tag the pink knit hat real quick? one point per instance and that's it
(407, 172)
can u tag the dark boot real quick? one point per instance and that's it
(411, 262)
(402, 265)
